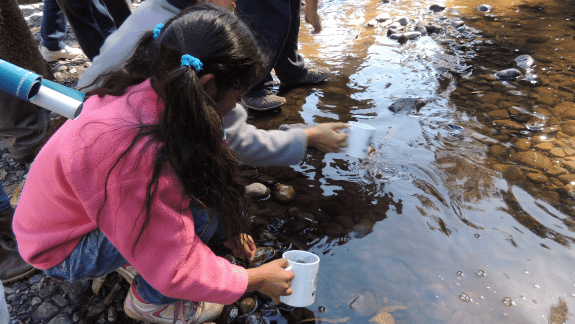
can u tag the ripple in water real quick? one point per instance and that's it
(507, 301)
(460, 273)
(480, 273)
(465, 297)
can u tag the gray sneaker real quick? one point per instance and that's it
(263, 103)
(314, 75)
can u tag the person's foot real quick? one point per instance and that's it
(314, 75)
(65, 53)
(12, 267)
(128, 272)
(181, 312)
(263, 103)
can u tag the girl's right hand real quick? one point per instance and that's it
(271, 279)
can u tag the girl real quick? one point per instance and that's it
(142, 176)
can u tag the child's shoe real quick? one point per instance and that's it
(128, 272)
(180, 312)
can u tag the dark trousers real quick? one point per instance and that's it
(276, 24)
(92, 22)
(22, 127)
(53, 26)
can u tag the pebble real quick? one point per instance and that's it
(484, 7)
(257, 190)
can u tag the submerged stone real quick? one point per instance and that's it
(484, 7)
(436, 8)
(407, 105)
(509, 74)
(525, 61)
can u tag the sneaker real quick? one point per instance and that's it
(180, 312)
(314, 75)
(263, 103)
(65, 53)
(128, 272)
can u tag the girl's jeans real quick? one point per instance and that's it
(4, 201)
(95, 256)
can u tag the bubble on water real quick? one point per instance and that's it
(537, 286)
(457, 283)
(525, 272)
(460, 273)
(477, 235)
(523, 297)
(507, 301)
(465, 297)
(480, 273)
(482, 297)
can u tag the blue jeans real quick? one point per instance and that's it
(4, 315)
(95, 256)
(53, 26)
(4, 201)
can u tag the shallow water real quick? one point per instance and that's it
(462, 234)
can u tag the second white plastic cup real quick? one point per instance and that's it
(358, 139)
(305, 266)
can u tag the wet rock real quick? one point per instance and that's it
(457, 23)
(98, 283)
(61, 319)
(284, 193)
(509, 74)
(289, 175)
(407, 105)
(293, 212)
(229, 315)
(333, 229)
(247, 305)
(248, 174)
(306, 217)
(498, 114)
(565, 110)
(255, 318)
(112, 314)
(513, 173)
(522, 144)
(569, 127)
(382, 17)
(268, 309)
(537, 177)
(545, 146)
(257, 190)
(365, 303)
(412, 34)
(45, 311)
(436, 8)
(48, 290)
(382, 318)
(60, 300)
(403, 21)
(345, 221)
(363, 228)
(557, 152)
(567, 178)
(533, 159)
(508, 124)
(279, 214)
(525, 61)
(569, 165)
(484, 7)
(499, 151)
(77, 290)
(264, 254)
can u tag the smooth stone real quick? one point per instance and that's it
(268, 310)
(61, 319)
(565, 110)
(407, 105)
(382, 318)
(509, 74)
(457, 23)
(436, 8)
(35, 279)
(229, 314)
(525, 61)
(383, 17)
(537, 177)
(35, 301)
(48, 290)
(284, 193)
(247, 305)
(484, 7)
(557, 152)
(513, 173)
(363, 228)
(508, 124)
(306, 217)
(267, 180)
(490, 97)
(567, 178)
(333, 229)
(533, 159)
(569, 165)
(569, 128)
(248, 174)
(498, 151)
(293, 212)
(255, 318)
(345, 221)
(498, 114)
(555, 171)
(257, 190)
(77, 290)
(331, 206)
(403, 21)
(45, 311)
(365, 304)
(545, 146)
(60, 300)
(412, 34)
(522, 144)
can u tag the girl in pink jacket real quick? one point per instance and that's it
(143, 177)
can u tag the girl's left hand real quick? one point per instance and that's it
(249, 248)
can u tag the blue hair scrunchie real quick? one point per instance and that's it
(158, 30)
(189, 60)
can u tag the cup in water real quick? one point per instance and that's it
(305, 266)
(358, 139)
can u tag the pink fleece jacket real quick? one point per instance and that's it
(65, 189)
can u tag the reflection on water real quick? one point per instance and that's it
(465, 211)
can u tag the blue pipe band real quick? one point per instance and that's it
(64, 90)
(18, 82)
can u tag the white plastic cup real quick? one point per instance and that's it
(358, 139)
(305, 266)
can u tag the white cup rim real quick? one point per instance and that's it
(287, 253)
(361, 125)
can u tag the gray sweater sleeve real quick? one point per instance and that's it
(258, 147)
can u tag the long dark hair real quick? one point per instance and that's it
(190, 127)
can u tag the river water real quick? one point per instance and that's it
(469, 203)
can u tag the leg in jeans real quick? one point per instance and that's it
(22, 127)
(53, 26)
(119, 10)
(4, 201)
(95, 256)
(4, 315)
(91, 23)
(270, 20)
(290, 67)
